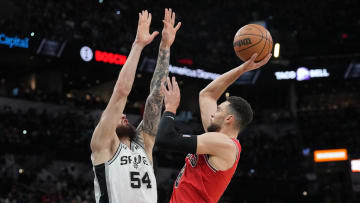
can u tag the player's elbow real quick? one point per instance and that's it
(205, 93)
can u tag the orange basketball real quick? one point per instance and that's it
(250, 39)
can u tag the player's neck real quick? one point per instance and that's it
(126, 141)
(229, 132)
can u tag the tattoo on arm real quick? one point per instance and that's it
(154, 102)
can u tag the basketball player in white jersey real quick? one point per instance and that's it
(121, 154)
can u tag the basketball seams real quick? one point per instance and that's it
(262, 50)
(262, 36)
(252, 32)
(254, 35)
(251, 45)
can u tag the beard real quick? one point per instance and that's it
(126, 131)
(213, 128)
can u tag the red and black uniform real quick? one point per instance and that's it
(199, 182)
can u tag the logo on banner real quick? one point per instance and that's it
(302, 73)
(14, 41)
(86, 53)
(106, 57)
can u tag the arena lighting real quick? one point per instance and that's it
(302, 73)
(276, 50)
(355, 165)
(14, 41)
(330, 155)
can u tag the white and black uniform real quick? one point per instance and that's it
(127, 178)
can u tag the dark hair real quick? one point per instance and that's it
(241, 110)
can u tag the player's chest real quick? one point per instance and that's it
(133, 158)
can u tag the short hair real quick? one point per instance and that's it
(242, 111)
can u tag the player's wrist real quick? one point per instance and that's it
(170, 109)
(243, 68)
(164, 45)
(138, 45)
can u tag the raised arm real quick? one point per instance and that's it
(168, 138)
(149, 125)
(104, 134)
(210, 94)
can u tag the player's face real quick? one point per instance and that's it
(125, 129)
(217, 119)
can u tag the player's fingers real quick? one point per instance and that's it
(166, 24)
(153, 35)
(178, 26)
(169, 84)
(150, 17)
(265, 60)
(146, 14)
(167, 19)
(170, 13)
(165, 15)
(253, 57)
(163, 88)
(173, 18)
(176, 85)
(139, 17)
(142, 16)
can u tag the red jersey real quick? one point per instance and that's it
(199, 182)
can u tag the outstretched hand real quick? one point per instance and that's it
(250, 64)
(143, 36)
(169, 31)
(172, 95)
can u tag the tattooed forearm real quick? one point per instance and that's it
(161, 70)
(153, 105)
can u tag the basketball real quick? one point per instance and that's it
(250, 39)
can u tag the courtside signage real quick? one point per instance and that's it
(87, 54)
(14, 41)
(330, 155)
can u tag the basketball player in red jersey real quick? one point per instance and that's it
(214, 155)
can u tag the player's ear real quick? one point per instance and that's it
(229, 119)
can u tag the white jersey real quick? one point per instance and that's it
(127, 178)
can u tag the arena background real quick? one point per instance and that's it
(307, 99)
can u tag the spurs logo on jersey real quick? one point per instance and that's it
(135, 160)
(128, 177)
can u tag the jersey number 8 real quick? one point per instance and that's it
(136, 181)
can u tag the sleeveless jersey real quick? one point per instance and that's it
(200, 182)
(127, 178)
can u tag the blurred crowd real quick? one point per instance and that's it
(276, 150)
(206, 36)
(26, 182)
